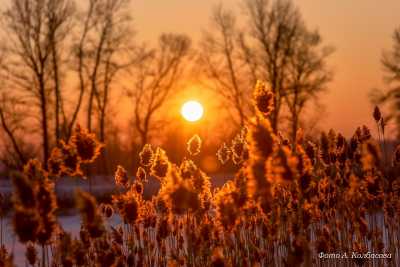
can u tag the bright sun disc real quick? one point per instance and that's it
(192, 111)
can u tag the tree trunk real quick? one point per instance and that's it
(56, 92)
(45, 135)
(90, 110)
(274, 120)
(12, 138)
(295, 125)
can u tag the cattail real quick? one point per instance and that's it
(160, 204)
(223, 153)
(106, 210)
(304, 163)
(55, 162)
(200, 181)
(311, 151)
(263, 98)
(92, 220)
(227, 211)
(46, 207)
(146, 155)
(137, 187)
(194, 145)
(87, 146)
(31, 254)
(121, 177)
(183, 198)
(240, 182)
(24, 194)
(370, 156)
(340, 141)
(261, 138)
(365, 133)
(128, 206)
(187, 169)
(377, 114)
(325, 148)
(70, 160)
(281, 166)
(160, 165)
(26, 224)
(238, 149)
(180, 193)
(141, 175)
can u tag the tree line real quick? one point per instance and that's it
(64, 62)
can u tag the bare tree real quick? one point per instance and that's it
(155, 76)
(220, 60)
(10, 123)
(104, 43)
(274, 29)
(34, 28)
(307, 75)
(391, 65)
(59, 15)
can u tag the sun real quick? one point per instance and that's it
(192, 110)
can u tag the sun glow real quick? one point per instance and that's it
(192, 111)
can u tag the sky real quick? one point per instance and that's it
(359, 30)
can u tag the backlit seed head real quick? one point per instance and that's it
(55, 162)
(194, 145)
(239, 149)
(377, 114)
(263, 98)
(160, 165)
(281, 167)
(106, 210)
(261, 138)
(224, 153)
(92, 220)
(70, 160)
(187, 169)
(141, 175)
(146, 155)
(121, 177)
(87, 146)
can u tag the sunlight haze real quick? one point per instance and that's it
(358, 30)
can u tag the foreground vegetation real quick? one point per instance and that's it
(287, 204)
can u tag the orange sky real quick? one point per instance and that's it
(358, 29)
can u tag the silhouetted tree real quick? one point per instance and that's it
(391, 65)
(274, 29)
(220, 59)
(104, 45)
(274, 46)
(34, 29)
(307, 75)
(154, 77)
(13, 154)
